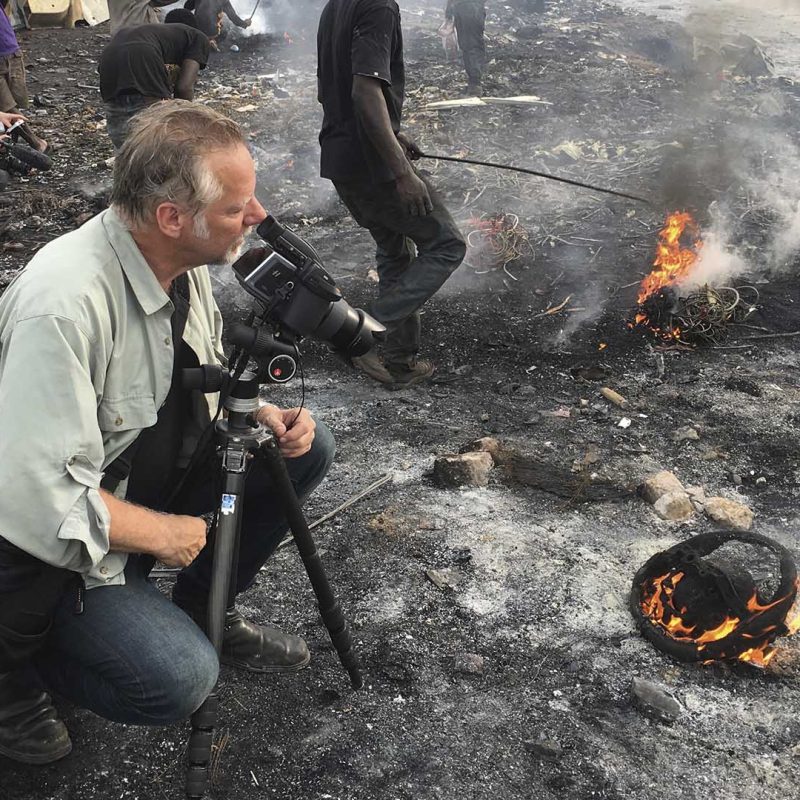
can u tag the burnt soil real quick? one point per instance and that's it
(534, 582)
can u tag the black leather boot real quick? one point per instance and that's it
(30, 730)
(255, 648)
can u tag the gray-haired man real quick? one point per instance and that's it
(94, 333)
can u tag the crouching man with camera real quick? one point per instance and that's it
(95, 427)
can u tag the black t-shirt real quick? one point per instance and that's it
(357, 37)
(134, 61)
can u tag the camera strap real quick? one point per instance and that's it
(120, 468)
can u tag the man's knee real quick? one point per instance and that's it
(184, 683)
(322, 451)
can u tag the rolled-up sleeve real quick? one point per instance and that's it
(51, 445)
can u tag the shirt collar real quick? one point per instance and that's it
(142, 279)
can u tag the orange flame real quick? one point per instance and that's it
(658, 607)
(673, 260)
(675, 257)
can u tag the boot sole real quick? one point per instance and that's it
(263, 670)
(37, 759)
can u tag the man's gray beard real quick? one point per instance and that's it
(200, 230)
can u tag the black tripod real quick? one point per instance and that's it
(239, 437)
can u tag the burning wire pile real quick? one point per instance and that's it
(703, 315)
(496, 240)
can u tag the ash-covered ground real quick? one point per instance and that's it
(510, 675)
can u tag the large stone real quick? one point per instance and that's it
(468, 664)
(490, 445)
(653, 700)
(660, 484)
(729, 513)
(465, 469)
(675, 506)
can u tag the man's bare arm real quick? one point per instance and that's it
(370, 108)
(187, 77)
(173, 539)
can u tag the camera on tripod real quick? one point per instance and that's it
(297, 298)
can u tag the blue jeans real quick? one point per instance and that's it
(133, 656)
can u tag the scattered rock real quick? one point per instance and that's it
(468, 664)
(438, 580)
(685, 434)
(675, 506)
(465, 469)
(490, 445)
(697, 496)
(653, 700)
(660, 484)
(729, 513)
(546, 749)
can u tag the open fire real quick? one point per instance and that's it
(696, 611)
(700, 315)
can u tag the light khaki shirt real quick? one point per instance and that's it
(127, 13)
(86, 358)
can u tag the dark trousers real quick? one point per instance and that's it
(470, 20)
(415, 256)
(132, 655)
(120, 112)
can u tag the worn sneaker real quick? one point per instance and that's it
(406, 375)
(370, 363)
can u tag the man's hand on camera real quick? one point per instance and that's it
(294, 436)
(187, 536)
(414, 194)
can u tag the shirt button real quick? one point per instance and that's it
(71, 460)
(118, 421)
(104, 570)
(167, 340)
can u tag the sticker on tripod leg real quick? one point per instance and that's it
(228, 504)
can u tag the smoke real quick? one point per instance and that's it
(720, 261)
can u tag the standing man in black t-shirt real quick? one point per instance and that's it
(361, 79)
(133, 68)
(470, 21)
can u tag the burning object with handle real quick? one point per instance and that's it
(695, 605)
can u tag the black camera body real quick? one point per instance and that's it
(299, 297)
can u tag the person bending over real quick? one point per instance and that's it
(94, 333)
(209, 15)
(361, 80)
(134, 72)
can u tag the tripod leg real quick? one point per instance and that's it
(226, 547)
(329, 607)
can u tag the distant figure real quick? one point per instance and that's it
(209, 15)
(470, 19)
(133, 68)
(126, 13)
(13, 91)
